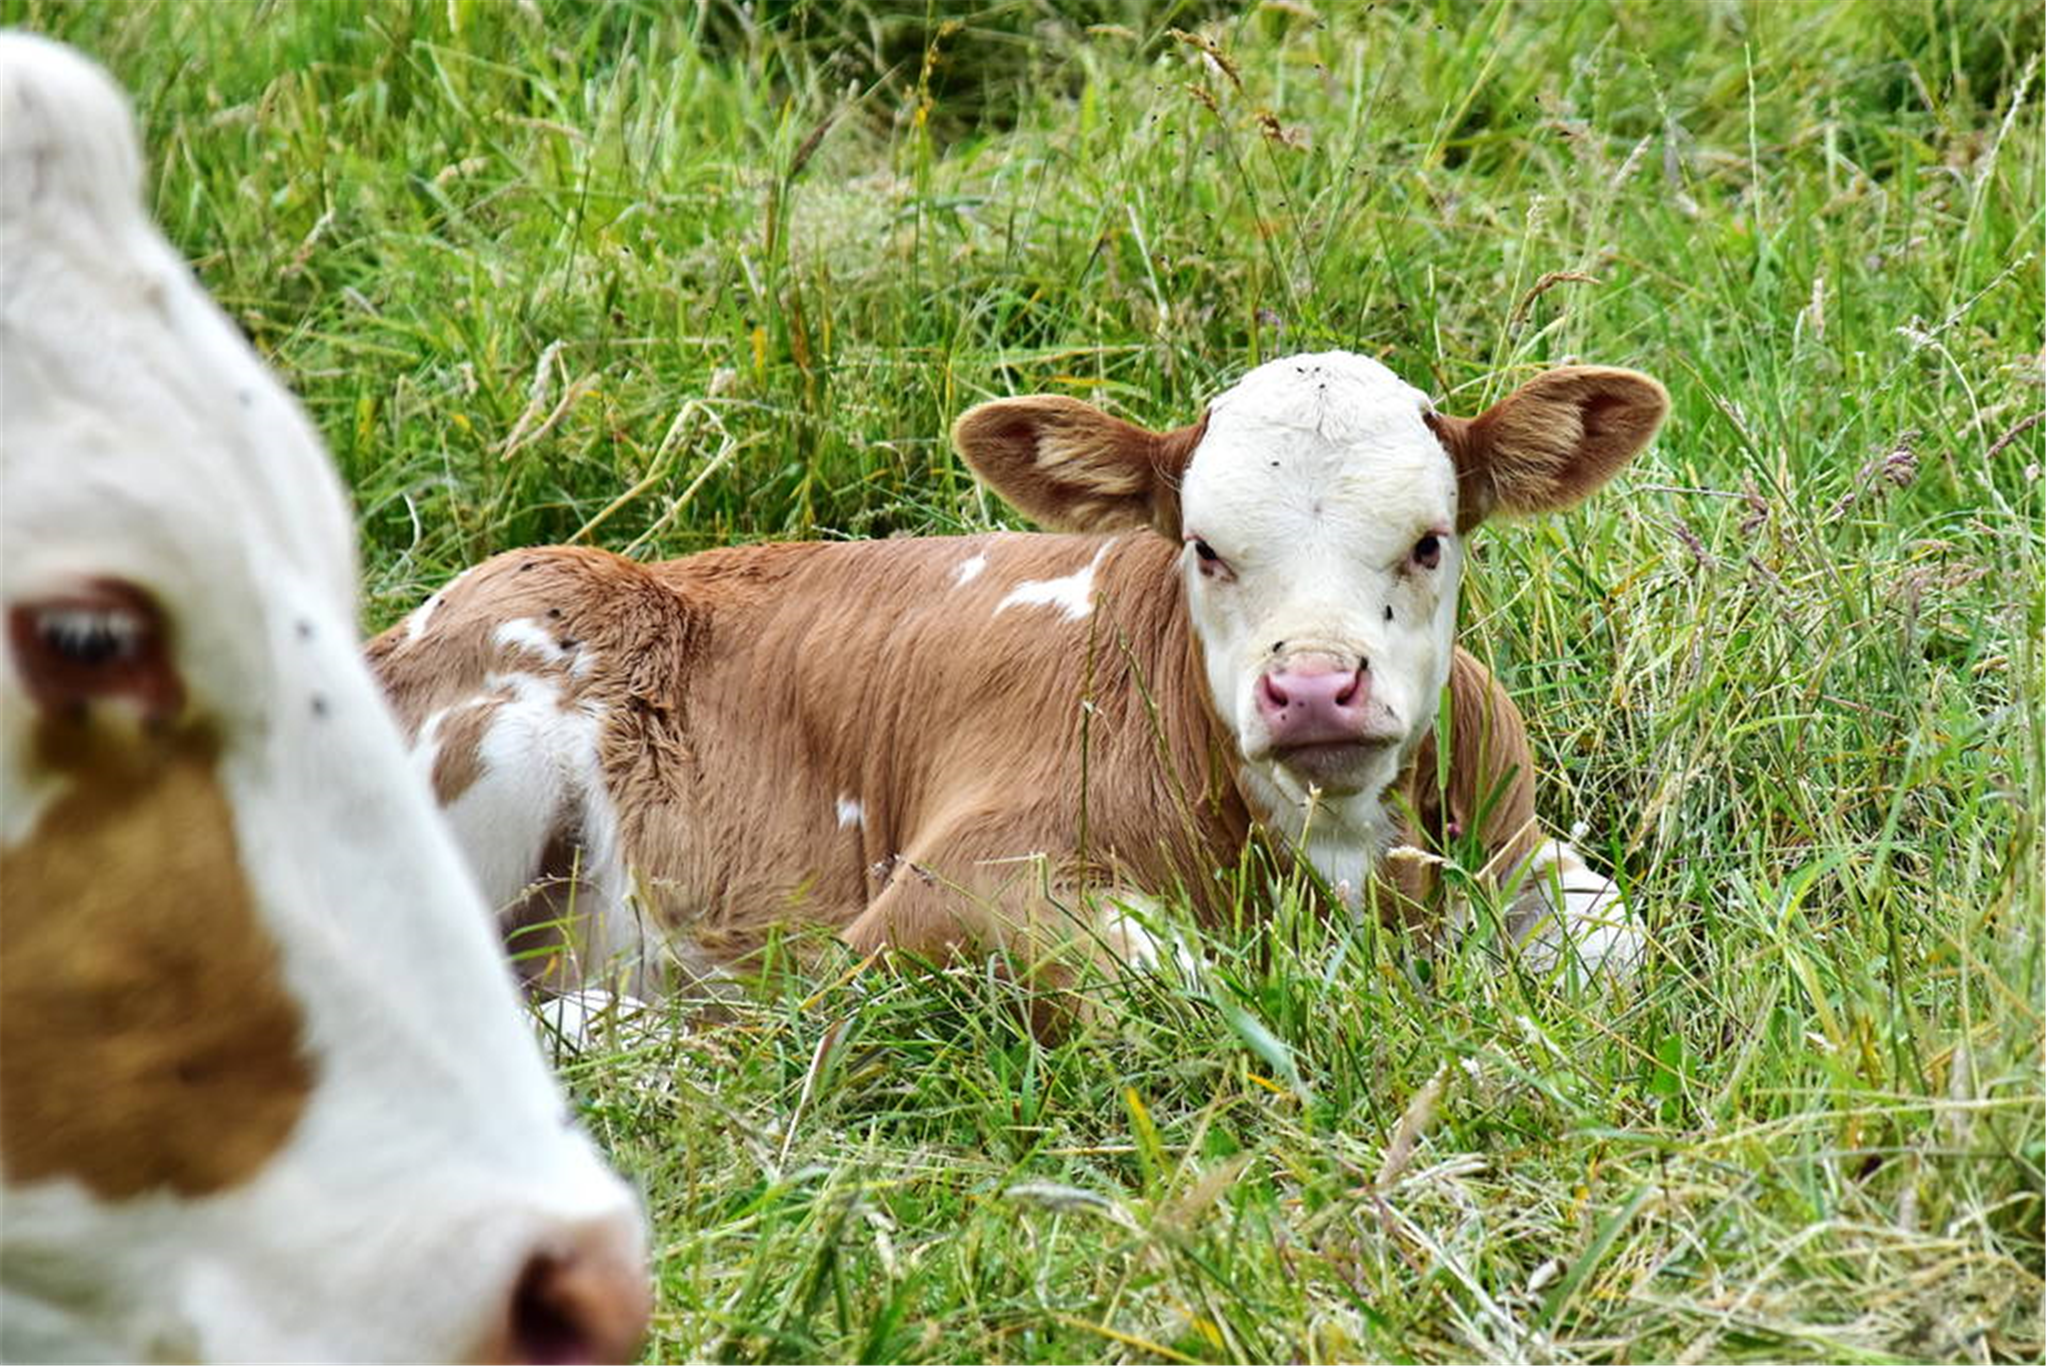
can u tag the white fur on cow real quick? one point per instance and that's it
(266, 1090)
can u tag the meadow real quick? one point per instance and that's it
(663, 276)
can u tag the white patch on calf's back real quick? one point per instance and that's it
(1073, 595)
(415, 625)
(969, 570)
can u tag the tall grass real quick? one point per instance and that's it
(664, 276)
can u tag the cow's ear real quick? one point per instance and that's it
(1068, 466)
(1551, 442)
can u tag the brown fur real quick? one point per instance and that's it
(459, 763)
(1489, 794)
(136, 967)
(1550, 443)
(1072, 467)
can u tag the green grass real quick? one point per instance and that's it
(666, 277)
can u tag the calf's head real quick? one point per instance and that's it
(265, 1088)
(1321, 505)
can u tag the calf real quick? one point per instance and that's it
(265, 1087)
(1012, 740)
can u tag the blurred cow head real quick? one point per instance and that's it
(265, 1089)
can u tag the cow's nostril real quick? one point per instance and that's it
(1273, 695)
(576, 1305)
(544, 1325)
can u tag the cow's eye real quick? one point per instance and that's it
(1428, 551)
(103, 641)
(1205, 551)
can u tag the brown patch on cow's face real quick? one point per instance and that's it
(147, 1041)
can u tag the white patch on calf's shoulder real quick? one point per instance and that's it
(1073, 595)
(424, 750)
(524, 633)
(969, 570)
(523, 688)
(851, 815)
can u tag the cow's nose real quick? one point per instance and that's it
(1303, 704)
(581, 1295)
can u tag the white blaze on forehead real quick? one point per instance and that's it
(1338, 396)
(1310, 438)
(1072, 595)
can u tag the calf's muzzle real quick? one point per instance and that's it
(1316, 700)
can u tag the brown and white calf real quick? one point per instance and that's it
(957, 744)
(267, 1091)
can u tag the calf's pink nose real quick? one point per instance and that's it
(1304, 705)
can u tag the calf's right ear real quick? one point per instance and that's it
(1551, 442)
(1068, 466)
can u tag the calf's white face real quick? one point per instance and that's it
(1321, 504)
(1321, 559)
(267, 1088)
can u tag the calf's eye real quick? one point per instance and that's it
(1428, 551)
(1212, 565)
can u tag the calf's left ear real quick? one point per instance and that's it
(1551, 442)
(1068, 466)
